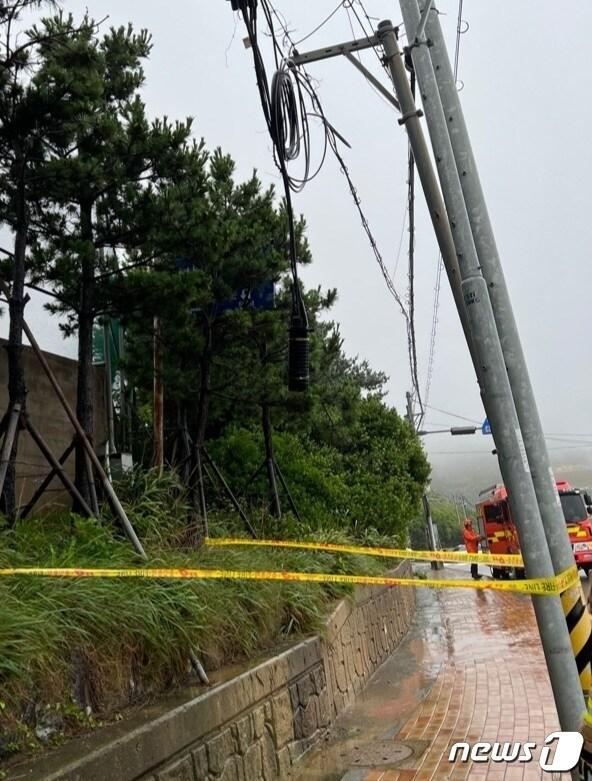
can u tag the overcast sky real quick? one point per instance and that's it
(527, 79)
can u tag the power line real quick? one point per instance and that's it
(287, 122)
(459, 31)
(304, 82)
(352, 5)
(458, 34)
(488, 452)
(434, 330)
(347, 6)
(564, 434)
(576, 439)
(454, 414)
(404, 225)
(368, 19)
(321, 24)
(583, 439)
(410, 313)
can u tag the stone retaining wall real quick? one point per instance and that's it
(253, 727)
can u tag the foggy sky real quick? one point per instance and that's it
(527, 78)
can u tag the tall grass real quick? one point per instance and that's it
(133, 636)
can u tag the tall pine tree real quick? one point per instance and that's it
(30, 115)
(97, 187)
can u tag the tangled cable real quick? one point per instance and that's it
(289, 126)
(285, 115)
(285, 109)
(460, 30)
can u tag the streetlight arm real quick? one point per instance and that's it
(456, 431)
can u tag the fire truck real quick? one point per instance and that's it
(497, 525)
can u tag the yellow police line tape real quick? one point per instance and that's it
(500, 559)
(535, 586)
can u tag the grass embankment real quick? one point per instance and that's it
(75, 647)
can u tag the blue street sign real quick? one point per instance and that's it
(259, 297)
(486, 427)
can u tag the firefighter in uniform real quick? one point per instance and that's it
(472, 539)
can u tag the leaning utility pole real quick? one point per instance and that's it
(438, 87)
(479, 326)
(495, 386)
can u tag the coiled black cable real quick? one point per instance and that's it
(285, 115)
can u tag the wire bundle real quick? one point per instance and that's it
(285, 115)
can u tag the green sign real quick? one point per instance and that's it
(113, 329)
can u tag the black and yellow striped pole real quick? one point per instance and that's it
(579, 624)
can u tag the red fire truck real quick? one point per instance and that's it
(496, 524)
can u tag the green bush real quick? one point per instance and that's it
(377, 484)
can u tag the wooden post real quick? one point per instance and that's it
(287, 490)
(276, 507)
(201, 491)
(11, 428)
(47, 480)
(55, 464)
(229, 493)
(92, 488)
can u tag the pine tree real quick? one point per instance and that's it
(97, 188)
(29, 117)
(232, 238)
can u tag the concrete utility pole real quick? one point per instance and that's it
(427, 512)
(437, 84)
(491, 370)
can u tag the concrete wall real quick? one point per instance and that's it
(48, 415)
(253, 727)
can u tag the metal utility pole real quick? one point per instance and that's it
(410, 418)
(437, 83)
(432, 536)
(500, 409)
(464, 506)
(429, 523)
(460, 523)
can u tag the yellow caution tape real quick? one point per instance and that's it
(500, 559)
(536, 586)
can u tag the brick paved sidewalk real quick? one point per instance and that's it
(471, 669)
